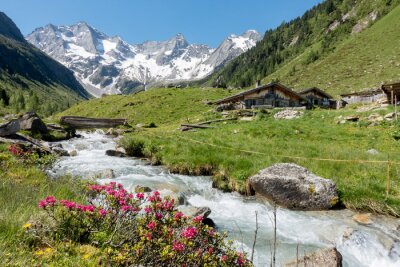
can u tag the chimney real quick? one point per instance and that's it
(258, 83)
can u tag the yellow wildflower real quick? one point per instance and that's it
(86, 256)
(27, 225)
(39, 252)
(44, 251)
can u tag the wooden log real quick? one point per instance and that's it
(218, 120)
(77, 122)
(9, 128)
(196, 126)
(185, 129)
(12, 139)
(55, 127)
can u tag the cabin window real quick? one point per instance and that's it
(250, 102)
(269, 102)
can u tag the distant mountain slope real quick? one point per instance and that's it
(110, 65)
(295, 52)
(26, 71)
(364, 60)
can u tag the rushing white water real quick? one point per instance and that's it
(373, 245)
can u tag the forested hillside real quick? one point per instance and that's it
(319, 34)
(31, 80)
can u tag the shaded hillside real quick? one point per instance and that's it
(314, 36)
(30, 78)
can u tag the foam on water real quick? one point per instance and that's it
(236, 214)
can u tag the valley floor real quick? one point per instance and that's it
(233, 151)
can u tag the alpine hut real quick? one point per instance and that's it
(265, 96)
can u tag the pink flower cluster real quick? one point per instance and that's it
(113, 189)
(179, 215)
(151, 225)
(177, 246)
(241, 259)
(49, 201)
(73, 206)
(17, 150)
(189, 232)
(198, 219)
(155, 197)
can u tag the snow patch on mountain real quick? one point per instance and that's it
(110, 65)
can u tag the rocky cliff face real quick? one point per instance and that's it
(23, 66)
(106, 64)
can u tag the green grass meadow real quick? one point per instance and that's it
(232, 151)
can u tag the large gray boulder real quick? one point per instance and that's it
(30, 121)
(295, 187)
(9, 128)
(329, 257)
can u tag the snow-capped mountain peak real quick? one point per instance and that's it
(106, 64)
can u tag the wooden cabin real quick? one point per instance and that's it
(392, 91)
(266, 96)
(318, 98)
(365, 96)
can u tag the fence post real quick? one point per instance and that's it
(388, 179)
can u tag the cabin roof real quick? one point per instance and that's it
(315, 89)
(388, 87)
(262, 87)
(368, 92)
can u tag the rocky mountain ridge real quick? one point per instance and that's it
(110, 65)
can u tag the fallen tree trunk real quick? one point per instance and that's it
(36, 143)
(77, 122)
(196, 126)
(218, 120)
(9, 128)
(29, 141)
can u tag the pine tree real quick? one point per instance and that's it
(33, 102)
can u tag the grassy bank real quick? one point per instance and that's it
(233, 151)
(22, 186)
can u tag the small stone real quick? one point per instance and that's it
(375, 117)
(59, 151)
(104, 174)
(373, 151)
(111, 131)
(191, 211)
(353, 118)
(73, 153)
(347, 233)
(363, 219)
(142, 189)
(288, 114)
(81, 146)
(328, 257)
(115, 153)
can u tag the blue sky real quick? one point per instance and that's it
(200, 21)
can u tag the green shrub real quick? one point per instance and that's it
(396, 134)
(133, 146)
(152, 125)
